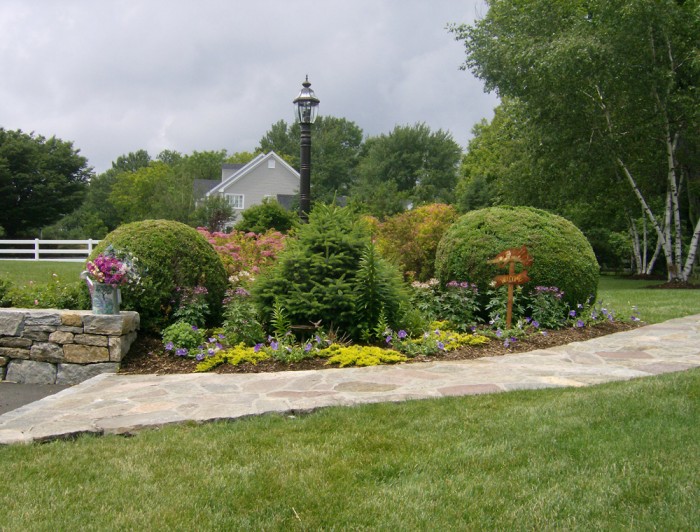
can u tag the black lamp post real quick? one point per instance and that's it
(307, 110)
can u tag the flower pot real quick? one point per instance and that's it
(105, 299)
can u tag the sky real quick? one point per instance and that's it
(116, 76)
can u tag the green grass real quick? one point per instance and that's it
(616, 456)
(655, 305)
(20, 272)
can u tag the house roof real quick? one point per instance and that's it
(202, 186)
(252, 165)
(234, 166)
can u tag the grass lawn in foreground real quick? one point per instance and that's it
(655, 305)
(617, 456)
(20, 272)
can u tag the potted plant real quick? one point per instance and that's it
(105, 274)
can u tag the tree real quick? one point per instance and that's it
(610, 83)
(212, 212)
(164, 188)
(97, 202)
(241, 157)
(336, 145)
(510, 162)
(40, 180)
(416, 163)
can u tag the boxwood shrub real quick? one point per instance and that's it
(173, 255)
(562, 255)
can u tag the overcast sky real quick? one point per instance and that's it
(115, 76)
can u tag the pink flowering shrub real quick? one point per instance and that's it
(245, 254)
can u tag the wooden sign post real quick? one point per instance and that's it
(507, 259)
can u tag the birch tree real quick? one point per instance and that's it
(611, 77)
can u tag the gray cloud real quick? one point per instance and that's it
(118, 76)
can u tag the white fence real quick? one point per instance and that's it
(56, 250)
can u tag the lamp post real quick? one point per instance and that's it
(307, 110)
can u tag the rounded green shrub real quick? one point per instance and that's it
(171, 255)
(562, 256)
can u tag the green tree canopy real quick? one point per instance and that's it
(336, 144)
(605, 84)
(41, 180)
(410, 164)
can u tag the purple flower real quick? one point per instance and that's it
(169, 346)
(536, 324)
(200, 356)
(580, 324)
(195, 328)
(499, 332)
(388, 339)
(274, 345)
(440, 346)
(307, 347)
(572, 313)
(211, 351)
(402, 334)
(212, 340)
(181, 352)
(257, 347)
(635, 318)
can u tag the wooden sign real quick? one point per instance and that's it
(507, 259)
(511, 256)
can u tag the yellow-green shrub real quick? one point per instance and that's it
(361, 355)
(234, 356)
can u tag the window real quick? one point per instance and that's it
(270, 163)
(235, 200)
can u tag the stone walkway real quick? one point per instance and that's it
(121, 404)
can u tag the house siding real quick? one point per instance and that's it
(262, 182)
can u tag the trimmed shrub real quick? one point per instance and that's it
(173, 256)
(330, 274)
(410, 239)
(562, 255)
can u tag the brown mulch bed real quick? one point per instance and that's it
(146, 355)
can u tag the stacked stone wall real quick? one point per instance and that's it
(62, 346)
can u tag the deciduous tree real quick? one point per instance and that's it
(606, 82)
(41, 180)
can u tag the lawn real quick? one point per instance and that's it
(616, 456)
(654, 305)
(20, 272)
(623, 455)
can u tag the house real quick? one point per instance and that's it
(245, 185)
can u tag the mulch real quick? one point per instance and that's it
(147, 356)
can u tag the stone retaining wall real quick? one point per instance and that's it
(62, 346)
